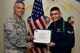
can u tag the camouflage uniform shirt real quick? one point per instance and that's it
(15, 40)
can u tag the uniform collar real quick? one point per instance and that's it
(57, 23)
(60, 20)
(17, 18)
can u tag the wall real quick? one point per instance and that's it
(1, 30)
(5, 11)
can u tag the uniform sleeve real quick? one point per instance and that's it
(13, 37)
(69, 38)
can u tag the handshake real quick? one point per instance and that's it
(30, 45)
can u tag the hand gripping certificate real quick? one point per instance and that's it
(42, 36)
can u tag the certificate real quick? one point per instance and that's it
(42, 36)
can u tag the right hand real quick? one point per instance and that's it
(30, 45)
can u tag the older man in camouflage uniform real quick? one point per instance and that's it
(15, 34)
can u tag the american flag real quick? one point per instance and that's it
(36, 21)
(37, 17)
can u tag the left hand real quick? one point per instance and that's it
(51, 44)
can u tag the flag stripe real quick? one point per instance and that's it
(30, 25)
(39, 50)
(42, 50)
(42, 23)
(39, 24)
(36, 50)
(31, 51)
(36, 25)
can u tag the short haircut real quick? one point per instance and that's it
(19, 2)
(54, 8)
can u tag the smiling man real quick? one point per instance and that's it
(62, 39)
(15, 32)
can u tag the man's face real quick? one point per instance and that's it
(55, 15)
(19, 9)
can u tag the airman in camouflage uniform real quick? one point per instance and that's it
(15, 33)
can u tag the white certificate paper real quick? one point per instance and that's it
(42, 36)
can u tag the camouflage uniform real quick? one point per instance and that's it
(15, 40)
